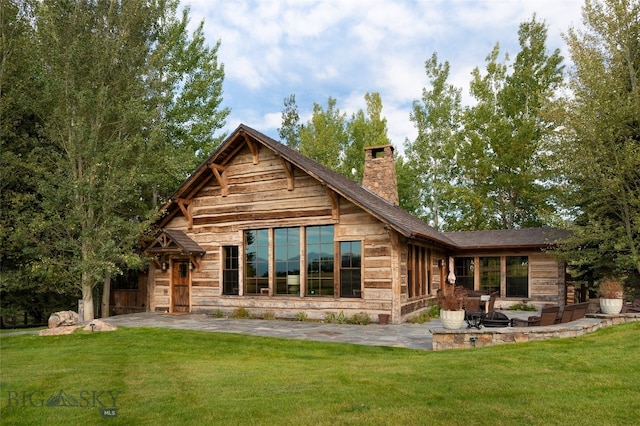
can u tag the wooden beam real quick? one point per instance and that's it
(196, 261)
(290, 171)
(334, 199)
(254, 150)
(185, 207)
(221, 177)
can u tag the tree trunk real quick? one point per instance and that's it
(87, 298)
(106, 295)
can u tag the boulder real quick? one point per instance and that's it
(65, 329)
(99, 325)
(63, 318)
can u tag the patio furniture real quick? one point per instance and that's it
(580, 311)
(633, 307)
(473, 315)
(547, 317)
(496, 319)
(566, 314)
(572, 312)
(490, 306)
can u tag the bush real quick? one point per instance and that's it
(611, 289)
(522, 307)
(301, 316)
(241, 313)
(268, 315)
(432, 312)
(362, 318)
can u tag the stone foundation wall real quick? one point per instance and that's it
(472, 338)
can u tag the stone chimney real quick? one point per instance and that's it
(380, 172)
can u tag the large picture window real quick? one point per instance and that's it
(490, 274)
(464, 267)
(350, 268)
(287, 258)
(517, 276)
(256, 262)
(230, 272)
(319, 247)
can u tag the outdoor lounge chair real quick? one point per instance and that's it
(633, 307)
(547, 317)
(580, 311)
(566, 315)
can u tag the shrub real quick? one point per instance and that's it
(522, 307)
(268, 315)
(301, 316)
(452, 299)
(611, 289)
(432, 312)
(241, 313)
(361, 318)
(330, 317)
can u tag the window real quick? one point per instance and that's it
(464, 267)
(256, 262)
(319, 246)
(287, 257)
(230, 272)
(517, 276)
(128, 280)
(490, 274)
(350, 269)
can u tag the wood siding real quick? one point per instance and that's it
(261, 196)
(265, 192)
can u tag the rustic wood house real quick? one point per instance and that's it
(262, 227)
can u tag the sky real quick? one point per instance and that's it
(345, 48)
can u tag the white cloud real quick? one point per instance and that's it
(344, 49)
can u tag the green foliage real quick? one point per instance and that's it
(431, 157)
(489, 166)
(333, 140)
(241, 313)
(522, 307)
(301, 316)
(268, 315)
(334, 383)
(432, 312)
(290, 130)
(361, 318)
(506, 171)
(106, 106)
(602, 154)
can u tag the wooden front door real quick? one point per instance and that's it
(180, 286)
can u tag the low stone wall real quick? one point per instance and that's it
(464, 338)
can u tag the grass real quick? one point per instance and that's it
(188, 377)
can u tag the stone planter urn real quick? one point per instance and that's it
(610, 306)
(452, 320)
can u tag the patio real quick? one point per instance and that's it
(464, 338)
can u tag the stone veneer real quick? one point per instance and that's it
(464, 338)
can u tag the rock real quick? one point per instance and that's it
(99, 325)
(65, 329)
(63, 318)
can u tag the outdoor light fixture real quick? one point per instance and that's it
(164, 266)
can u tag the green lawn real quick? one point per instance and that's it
(160, 376)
